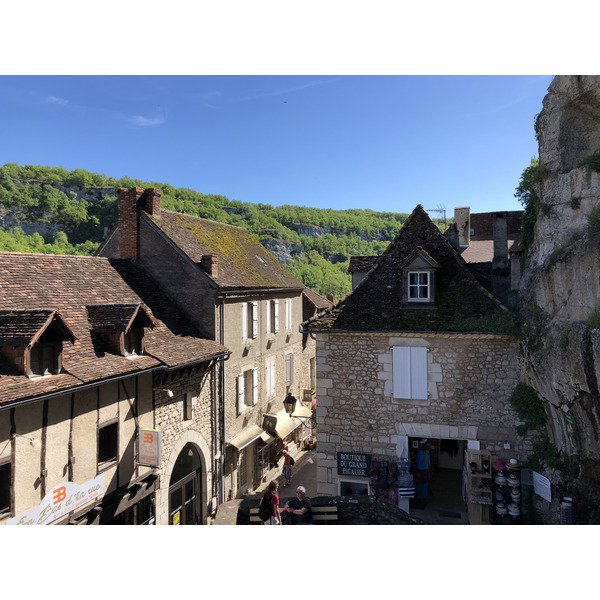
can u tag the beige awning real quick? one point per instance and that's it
(285, 424)
(241, 440)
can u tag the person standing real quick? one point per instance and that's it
(271, 492)
(288, 462)
(300, 507)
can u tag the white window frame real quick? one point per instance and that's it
(288, 314)
(247, 389)
(409, 370)
(419, 285)
(272, 316)
(270, 378)
(249, 320)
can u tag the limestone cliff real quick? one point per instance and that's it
(560, 288)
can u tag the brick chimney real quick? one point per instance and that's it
(452, 235)
(129, 202)
(210, 263)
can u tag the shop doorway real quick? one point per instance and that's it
(438, 469)
(185, 488)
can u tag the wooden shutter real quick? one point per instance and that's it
(244, 320)
(254, 320)
(268, 317)
(401, 371)
(255, 385)
(289, 369)
(418, 373)
(241, 391)
(276, 316)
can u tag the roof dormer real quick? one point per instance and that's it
(32, 340)
(122, 326)
(418, 279)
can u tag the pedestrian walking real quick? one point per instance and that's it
(288, 463)
(300, 507)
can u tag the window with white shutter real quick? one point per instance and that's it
(289, 369)
(276, 315)
(244, 320)
(270, 378)
(288, 314)
(269, 323)
(241, 393)
(254, 316)
(409, 372)
(255, 386)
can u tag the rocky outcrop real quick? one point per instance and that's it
(560, 287)
(282, 251)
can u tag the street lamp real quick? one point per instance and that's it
(290, 404)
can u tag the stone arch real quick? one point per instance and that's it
(196, 439)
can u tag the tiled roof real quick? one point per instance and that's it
(360, 264)
(317, 300)
(70, 284)
(243, 262)
(461, 303)
(115, 317)
(21, 327)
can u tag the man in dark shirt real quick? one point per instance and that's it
(300, 506)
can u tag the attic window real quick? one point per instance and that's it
(44, 359)
(419, 289)
(134, 341)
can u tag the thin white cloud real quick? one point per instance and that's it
(57, 100)
(139, 121)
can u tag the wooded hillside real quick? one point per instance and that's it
(53, 210)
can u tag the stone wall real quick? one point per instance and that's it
(469, 381)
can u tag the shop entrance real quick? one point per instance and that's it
(438, 467)
(185, 488)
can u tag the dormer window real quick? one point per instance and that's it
(121, 326)
(418, 286)
(32, 340)
(418, 279)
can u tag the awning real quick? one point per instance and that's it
(241, 440)
(285, 424)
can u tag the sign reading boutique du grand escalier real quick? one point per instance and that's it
(353, 464)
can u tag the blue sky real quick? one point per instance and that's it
(386, 143)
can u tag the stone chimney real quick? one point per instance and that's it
(210, 263)
(462, 219)
(452, 235)
(129, 201)
(500, 269)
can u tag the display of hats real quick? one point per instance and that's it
(513, 509)
(501, 508)
(513, 463)
(501, 479)
(499, 464)
(513, 479)
(515, 494)
(499, 495)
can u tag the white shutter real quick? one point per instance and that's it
(401, 371)
(288, 314)
(254, 320)
(241, 393)
(255, 385)
(268, 317)
(244, 320)
(272, 377)
(276, 316)
(418, 373)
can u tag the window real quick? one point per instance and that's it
(409, 372)
(249, 320)
(108, 443)
(289, 369)
(247, 389)
(272, 316)
(134, 341)
(288, 314)
(188, 407)
(418, 286)
(5, 487)
(44, 359)
(270, 376)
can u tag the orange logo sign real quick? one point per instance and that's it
(60, 494)
(148, 437)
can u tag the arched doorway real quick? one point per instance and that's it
(185, 488)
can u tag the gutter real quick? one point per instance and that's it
(86, 386)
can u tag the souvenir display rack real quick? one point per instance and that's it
(506, 492)
(479, 471)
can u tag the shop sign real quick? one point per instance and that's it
(541, 486)
(270, 423)
(60, 501)
(149, 447)
(351, 463)
(307, 395)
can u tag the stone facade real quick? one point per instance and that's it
(470, 378)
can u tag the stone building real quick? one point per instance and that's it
(108, 397)
(238, 294)
(419, 352)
